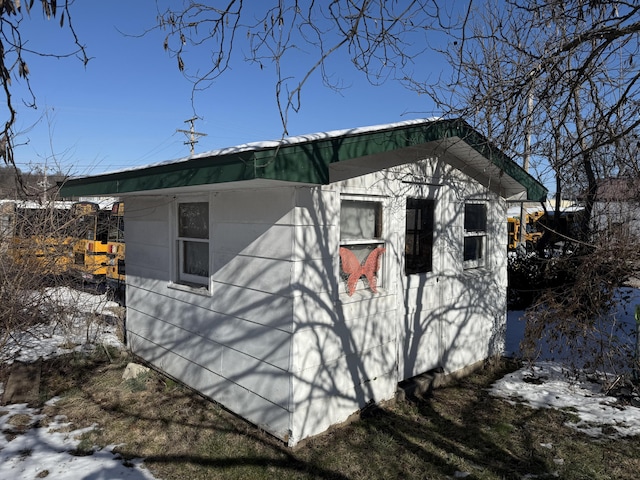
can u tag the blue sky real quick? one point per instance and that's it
(124, 107)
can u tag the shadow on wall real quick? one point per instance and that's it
(275, 342)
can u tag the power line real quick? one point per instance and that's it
(192, 133)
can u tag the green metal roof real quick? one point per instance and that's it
(304, 159)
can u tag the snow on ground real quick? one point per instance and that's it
(47, 451)
(547, 385)
(76, 331)
(623, 319)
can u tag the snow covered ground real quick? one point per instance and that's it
(548, 385)
(45, 451)
(619, 323)
(76, 332)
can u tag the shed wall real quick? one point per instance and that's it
(232, 345)
(352, 350)
(279, 340)
(619, 219)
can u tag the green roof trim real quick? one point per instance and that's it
(535, 190)
(303, 159)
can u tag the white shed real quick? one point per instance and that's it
(296, 281)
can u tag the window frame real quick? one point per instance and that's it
(415, 235)
(477, 232)
(181, 277)
(378, 240)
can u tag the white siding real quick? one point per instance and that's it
(619, 219)
(344, 347)
(278, 340)
(352, 350)
(232, 345)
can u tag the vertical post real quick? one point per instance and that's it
(527, 137)
(525, 165)
(523, 227)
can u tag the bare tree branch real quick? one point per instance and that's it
(14, 53)
(299, 39)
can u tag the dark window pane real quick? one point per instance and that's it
(472, 248)
(102, 227)
(419, 236)
(193, 220)
(196, 258)
(475, 217)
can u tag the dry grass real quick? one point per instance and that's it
(459, 428)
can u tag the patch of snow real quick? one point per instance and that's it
(46, 452)
(34, 451)
(618, 327)
(461, 474)
(79, 331)
(548, 385)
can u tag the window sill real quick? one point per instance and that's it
(360, 295)
(201, 290)
(428, 274)
(417, 280)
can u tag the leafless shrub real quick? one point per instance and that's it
(573, 319)
(21, 308)
(36, 280)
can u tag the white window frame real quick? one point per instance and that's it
(481, 233)
(373, 242)
(181, 278)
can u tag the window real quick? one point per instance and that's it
(361, 244)
(475, 234)
(418, 249)
(193, 243)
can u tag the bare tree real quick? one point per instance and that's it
(556, 84)
(550, 81)
(36, 266)
(14, 53)
(561, 73)
(298, 39)
(553, 82)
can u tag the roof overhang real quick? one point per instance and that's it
(315, 159)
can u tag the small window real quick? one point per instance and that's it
(361, 245)
(360, 220)
(193, 243)
(418, 250)
(475, 234)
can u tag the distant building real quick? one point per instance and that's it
(616, 211)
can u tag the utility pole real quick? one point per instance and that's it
(192, 133)
(527, 138)
(44, 183)
(525, 166)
